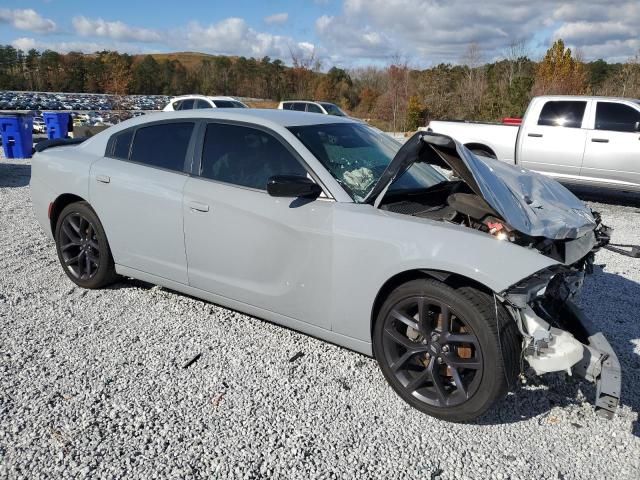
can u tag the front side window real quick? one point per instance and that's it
(201, 104)
(357, 155)
(177, 105)
(122, 144)
(162, 145)
(617, 117)
(313, 108)
(562, 114)
(245, 156)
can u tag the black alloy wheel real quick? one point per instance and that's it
(79, 246)
(449, 352)
(82, 247)
(432, 352)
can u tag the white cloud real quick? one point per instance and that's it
(432, 31)
(117, 30)
(27, 19)
(233, 36)
(277, 18)
(27, 43)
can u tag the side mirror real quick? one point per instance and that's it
(293, 186)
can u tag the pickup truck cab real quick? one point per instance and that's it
(575, 139)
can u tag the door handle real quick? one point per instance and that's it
(600, 140)
(537, 135)
(198, 207)
(103, 178)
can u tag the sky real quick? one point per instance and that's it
(344, 33)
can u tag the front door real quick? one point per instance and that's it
(243, 244)
(554, 144)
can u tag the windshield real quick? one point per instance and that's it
(333, 109)
(357, 155)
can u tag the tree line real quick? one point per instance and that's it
(395, 97)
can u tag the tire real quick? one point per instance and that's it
(483, 153)
(455, 359)
(82, 247)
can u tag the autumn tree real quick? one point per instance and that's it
(560, 73)
(118, 75)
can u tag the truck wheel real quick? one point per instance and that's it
(483, 153)
(448, 352)
(82, 247)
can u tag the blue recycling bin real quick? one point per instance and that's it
(57, 124)
(17, 135)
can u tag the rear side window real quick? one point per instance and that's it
(562, 114)
(122, 144)
(300, 107)
(245, 156)
(313, 108)
(287, 106)
(163, 145)
(617, 117)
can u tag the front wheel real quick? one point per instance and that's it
(451, 353)
(82, 247)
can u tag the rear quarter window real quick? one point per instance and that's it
(121, 144)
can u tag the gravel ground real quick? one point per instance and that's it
(92, 384)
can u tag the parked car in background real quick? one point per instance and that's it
(195, 102)
(39, 126)
(330, 227)
(325, 108)
(576, 139)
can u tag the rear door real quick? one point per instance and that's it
(243, 244)
(553, 143)
(612, 153)
(136, 190)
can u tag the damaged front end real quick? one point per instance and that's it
(537, 213)
(558, 337)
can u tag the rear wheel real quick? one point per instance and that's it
(82, 247)
(448, 352)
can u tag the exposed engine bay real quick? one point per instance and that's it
(454, 202)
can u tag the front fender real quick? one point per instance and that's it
(371, 246)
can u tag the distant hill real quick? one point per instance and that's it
(190, 60)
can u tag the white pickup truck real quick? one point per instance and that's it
(575, 139)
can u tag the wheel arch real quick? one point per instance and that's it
(58, 205)
(480, 146)
(454, 280)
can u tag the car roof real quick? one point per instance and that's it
(586, 97)
(204, 97)
(259, 116)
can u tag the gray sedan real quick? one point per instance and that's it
(330, 227)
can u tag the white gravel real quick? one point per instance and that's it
(92, 384)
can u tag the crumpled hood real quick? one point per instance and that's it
(531, 203)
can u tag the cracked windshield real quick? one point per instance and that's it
(357, 155)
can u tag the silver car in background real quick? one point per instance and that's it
(327, 226)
